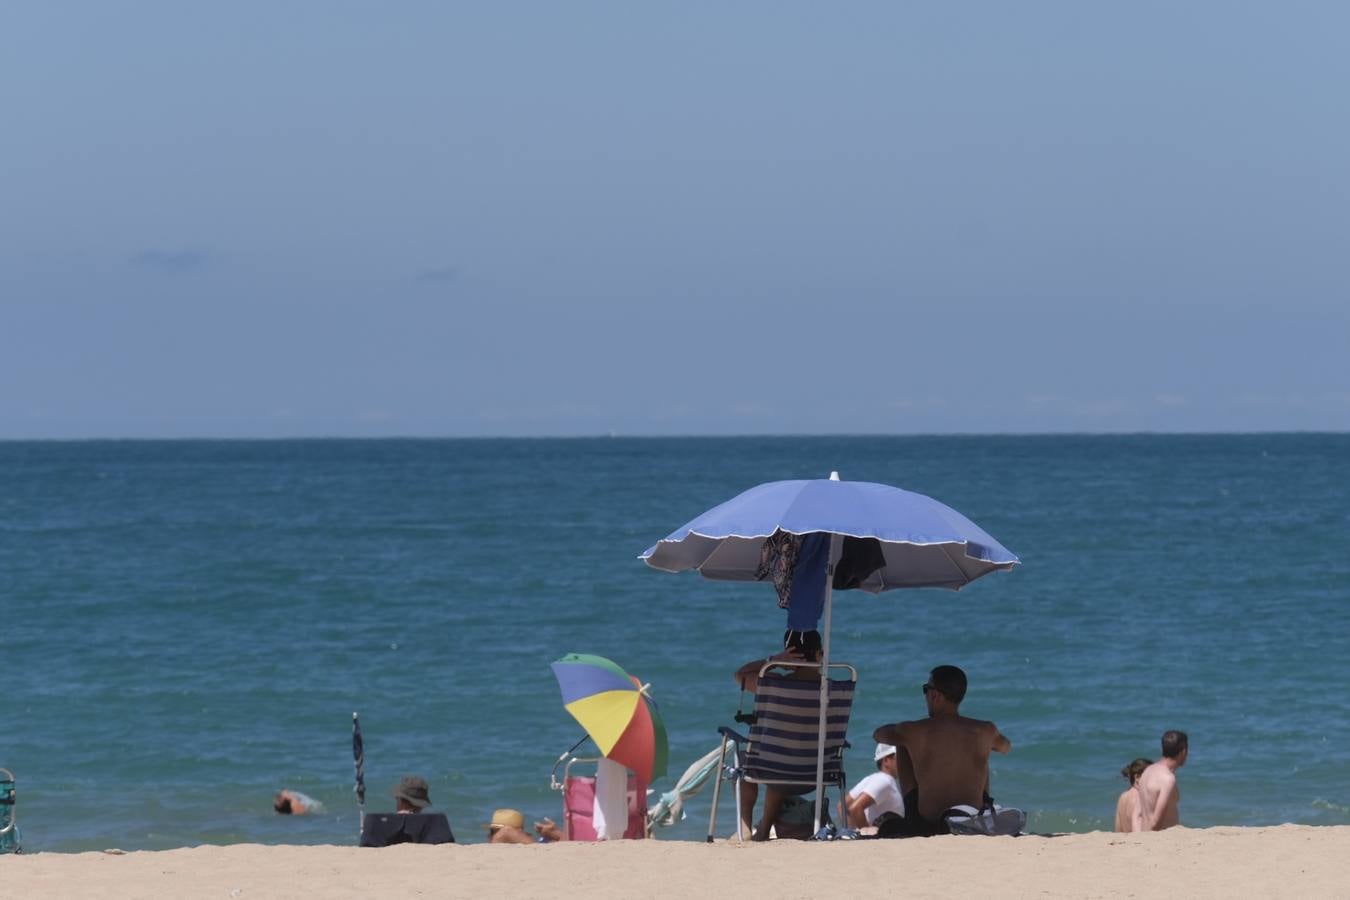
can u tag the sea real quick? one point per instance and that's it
(188, 626)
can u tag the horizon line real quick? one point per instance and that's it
(614, 435)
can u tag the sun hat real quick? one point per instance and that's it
(506, 818)
(883, 751)
(412, 789)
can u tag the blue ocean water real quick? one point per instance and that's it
(189, 625)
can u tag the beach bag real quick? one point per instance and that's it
(991, 820)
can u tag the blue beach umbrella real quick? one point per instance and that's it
(879, 538)
(925, 543)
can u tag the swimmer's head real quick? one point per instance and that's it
(282, 803)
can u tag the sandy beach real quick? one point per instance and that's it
(1286, 860)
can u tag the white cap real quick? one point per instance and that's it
(883, 751)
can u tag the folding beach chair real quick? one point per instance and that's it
(782, 747)
(578, 796)
(9, 827)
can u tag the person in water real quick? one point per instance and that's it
(1159, 796)
(941, 761)
(1127, 805)
(293, 803)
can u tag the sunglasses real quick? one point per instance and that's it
(930, 687)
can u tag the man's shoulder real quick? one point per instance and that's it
(983, 724)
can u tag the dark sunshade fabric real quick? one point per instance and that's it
(388, 829)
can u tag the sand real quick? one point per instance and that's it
(1288, 860)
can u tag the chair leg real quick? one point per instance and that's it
(717, 791)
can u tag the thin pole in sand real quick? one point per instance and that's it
(359, 760)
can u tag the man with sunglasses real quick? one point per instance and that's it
(941, 761)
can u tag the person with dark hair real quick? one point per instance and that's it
(798, 647)
(941, 761)
(1159, 796)
(293, 803)
(1127, 805)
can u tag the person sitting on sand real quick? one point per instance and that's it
(878, 794)
(411, 822)
(1159, 795)
(798, 646)
(508, 827)
(941, 761)
(294, 803)
(1127, 805)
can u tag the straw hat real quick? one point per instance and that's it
(506, 818)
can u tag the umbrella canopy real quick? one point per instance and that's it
(925, 543)
(616, 711)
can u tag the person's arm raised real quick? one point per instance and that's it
(893, 734)
(747, 676)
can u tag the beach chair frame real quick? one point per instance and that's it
(741, 767)
(637, 827)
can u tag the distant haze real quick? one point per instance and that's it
(417, 218)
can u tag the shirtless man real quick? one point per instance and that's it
(1158, 792)
(943, 760)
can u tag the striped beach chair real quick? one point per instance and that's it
(783, 745)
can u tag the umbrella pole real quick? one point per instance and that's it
(359, 758)
(836, 541)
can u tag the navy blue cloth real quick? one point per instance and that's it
(387, 829)
(808, 582)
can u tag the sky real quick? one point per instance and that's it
(332, 218)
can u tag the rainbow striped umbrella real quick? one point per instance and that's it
(616, 710)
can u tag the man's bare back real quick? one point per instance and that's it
(1159, 798)
(949, 760)
(945, 757)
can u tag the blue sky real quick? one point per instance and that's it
(293, 219)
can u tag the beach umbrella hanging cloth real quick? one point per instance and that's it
(616, 710)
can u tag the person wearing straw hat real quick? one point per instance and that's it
(508, 827)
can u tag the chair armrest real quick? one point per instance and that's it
(728, 732)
